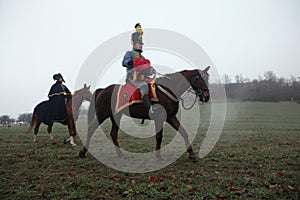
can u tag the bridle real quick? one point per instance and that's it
(197, 93)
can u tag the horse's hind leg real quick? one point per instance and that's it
(173, 121)
(49, 130)
(36, 130)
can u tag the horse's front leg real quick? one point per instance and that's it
(173, 121)
(72, 131)
(49, 130)
(91, 129)
(159, 135)
(71, 140)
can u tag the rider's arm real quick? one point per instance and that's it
(59, 90)
(51, 91)
(67, 93)
(128, 60)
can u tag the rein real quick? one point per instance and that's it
(190, 90)
(168, 94)
(197, 93)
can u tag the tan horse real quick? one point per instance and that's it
(72, 107)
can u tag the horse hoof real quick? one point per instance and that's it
(81, 154)
(65, 141)
(53, 143)
(74, 145)
(193, 158)
(160, 159)
(121, 155)
(124, 158)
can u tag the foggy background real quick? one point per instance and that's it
(39, 38)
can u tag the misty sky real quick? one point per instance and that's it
(41, 37)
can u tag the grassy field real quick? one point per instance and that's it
(256, 157)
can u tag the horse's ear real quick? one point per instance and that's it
(89, 87)
(206, 69)
(84, 86)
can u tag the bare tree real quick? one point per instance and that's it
(270, 76)
(25, 117)
(240, 79)
(266, 88)
(246, 80)
(226, 79)
(6, 119)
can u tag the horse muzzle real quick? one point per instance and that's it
(204, 96)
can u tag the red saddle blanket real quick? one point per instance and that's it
(129, 94)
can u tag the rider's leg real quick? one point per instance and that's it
(144, 90)
(146, 97)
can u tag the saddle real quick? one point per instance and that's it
(128, 94)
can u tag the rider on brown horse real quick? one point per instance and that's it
(139, 68)
(58, 95)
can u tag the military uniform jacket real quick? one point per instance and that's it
(141, 67)
(130, 56)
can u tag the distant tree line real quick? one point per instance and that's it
(6, 120)
(266, 88)
(25, 118)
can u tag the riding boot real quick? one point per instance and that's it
(153, 110)
(147, 102)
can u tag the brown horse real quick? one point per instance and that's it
(72, 107)
(78, 97)
(169, 89)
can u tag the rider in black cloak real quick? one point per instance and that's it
(54, 110)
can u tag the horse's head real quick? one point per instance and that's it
(84, 93)
(198, 79)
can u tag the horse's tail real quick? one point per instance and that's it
(92, 111)
(33, 122)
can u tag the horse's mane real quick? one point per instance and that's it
(168, 77)
(77, 91)
(176, 76)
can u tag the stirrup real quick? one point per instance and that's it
(151, 111)
(154, 112)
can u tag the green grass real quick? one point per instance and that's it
(256, 157)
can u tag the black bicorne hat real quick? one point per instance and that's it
(56, 77)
